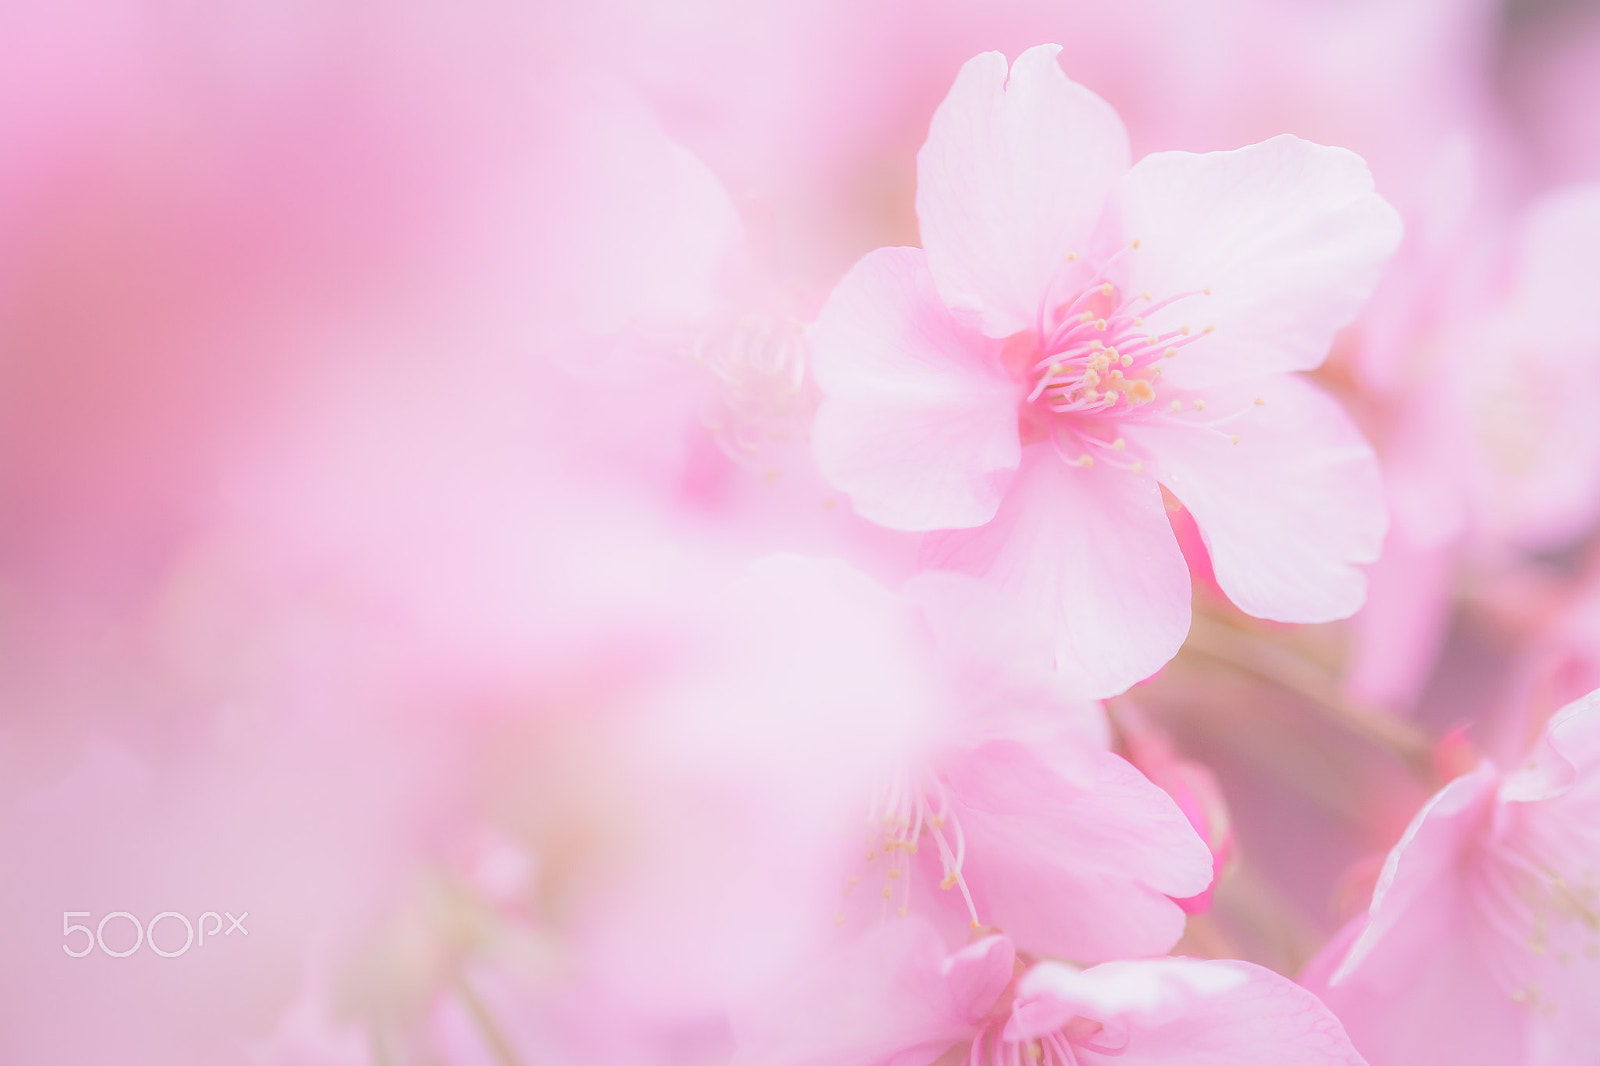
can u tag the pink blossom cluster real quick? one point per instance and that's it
(800, 533)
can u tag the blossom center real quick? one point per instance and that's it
(1097, 357)
(1092, 362)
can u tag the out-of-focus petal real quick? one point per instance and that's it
(919, 424)
(885, 995)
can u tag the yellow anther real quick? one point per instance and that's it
(1138, 467)
(1183, 330)
(1135, 242)
(902, 912)
(1107, 289)
(871, 855)
(1119, 444)
(1071, 256)
(1206, 291)
(1127, 360)
(1260, 402)
(948, 882)
(888, 893)
(975, 925)
(1234, 437)
(1112, 396)
(1138, 321)
(1095, 345)
(1140, 391)
(1091, 377)
(1100, 323)
(1169, 353)
(1208, 329)
(893, 874)
(1176, 407)
(1087, 316)
(1144, 294)
(1199, 405)
(1085, 461)
(1156, 371)
(938, 821)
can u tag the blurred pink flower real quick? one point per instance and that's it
(1484, 382)
(898, 998)
(1482, 944)
(1030, 372)
(1494, 439)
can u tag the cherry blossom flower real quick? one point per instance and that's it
(1008, 810)
(1482, 944)
(898, 998)
(1075, 334)
(1065, 846)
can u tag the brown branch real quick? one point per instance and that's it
(1282, 668)
(493, 1035)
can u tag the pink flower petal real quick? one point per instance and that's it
(978, 973)
(919, 423)
(1290, 509)
(1089, 552)
(1011, 181)
(1425, 856)
(1288, 237)
(1182, 1012)
(1076, 856)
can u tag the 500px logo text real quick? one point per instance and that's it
(146, 934)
